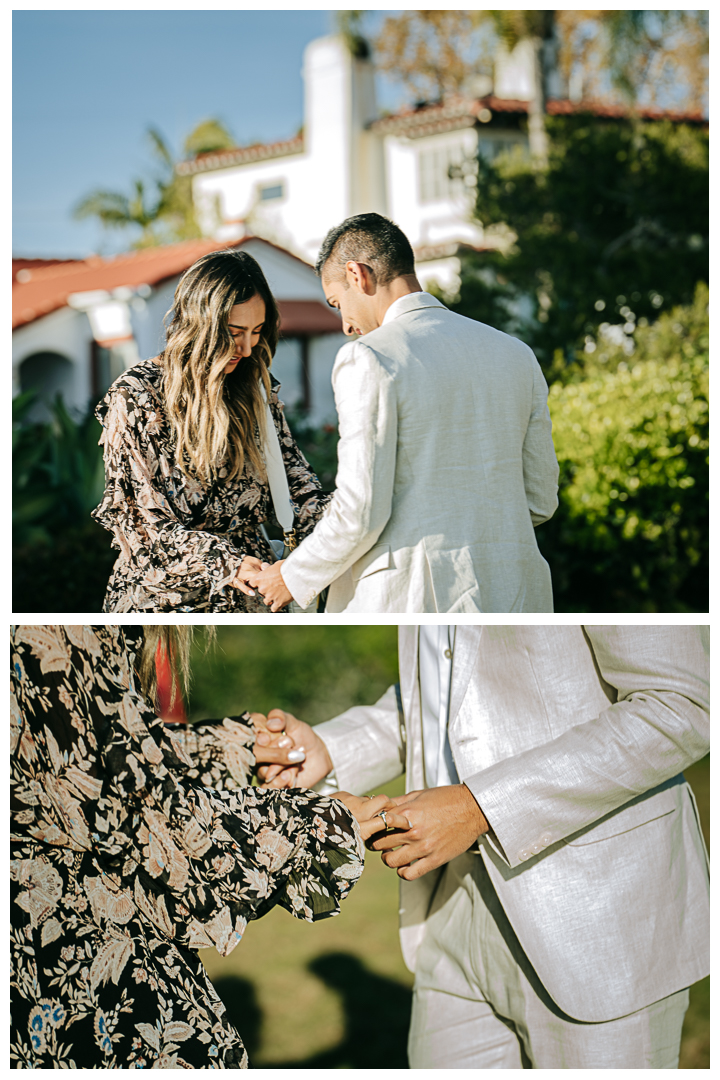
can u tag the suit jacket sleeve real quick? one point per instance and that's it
(361, 504)
(540, 467)
(657, 727)
(366, 744)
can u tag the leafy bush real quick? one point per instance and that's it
(61, 558)
(631, 435)
(319, 445)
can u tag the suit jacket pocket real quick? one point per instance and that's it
(639, 811)
(377, 558)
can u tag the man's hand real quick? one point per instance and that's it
(271, 586)
(290, 753)
(444, 822)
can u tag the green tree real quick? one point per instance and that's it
(611, 234)
(650, 57)
(631, 436)
(161, 208)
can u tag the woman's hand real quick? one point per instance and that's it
(271, 586)
(249, 565)
(367, 809)
(289, 753)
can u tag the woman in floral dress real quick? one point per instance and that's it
(185, 483)
(133, 846)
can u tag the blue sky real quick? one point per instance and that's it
(87, 84)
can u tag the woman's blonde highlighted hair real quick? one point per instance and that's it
(176, 642)
(215, 418)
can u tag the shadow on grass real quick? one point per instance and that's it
(376, 1012)
(242, 1009)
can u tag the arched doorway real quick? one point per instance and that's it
(48, 373)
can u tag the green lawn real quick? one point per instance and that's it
(335, 994)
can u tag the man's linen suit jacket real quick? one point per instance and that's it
(445, 464)
(573, 740)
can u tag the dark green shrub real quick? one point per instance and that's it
(61, 558)
(631, 435)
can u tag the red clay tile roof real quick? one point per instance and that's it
(51, 282)
(48, 287)
(22, 266)
(431, 119)
(241, 155)
(464, 112)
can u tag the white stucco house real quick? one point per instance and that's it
(348, 159)
(78, 324)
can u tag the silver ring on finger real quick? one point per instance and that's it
(383, 815)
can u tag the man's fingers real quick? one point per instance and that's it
(277, 720)
(405, 800)
(416, 869)
(386, 841)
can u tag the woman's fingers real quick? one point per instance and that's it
(279, 755)
(371, 806)
(374, 825)
(277, 776)
(391, 820)
(251, 563)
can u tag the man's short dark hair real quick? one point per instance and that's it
(370, 239)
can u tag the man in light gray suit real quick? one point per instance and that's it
(554, 886)
(445, 460)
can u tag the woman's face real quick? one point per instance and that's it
(246, 323)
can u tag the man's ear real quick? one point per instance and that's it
(361, 277)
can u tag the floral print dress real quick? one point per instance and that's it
(180, 540)
(132, 847)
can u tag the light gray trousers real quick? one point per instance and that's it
(478, 1004)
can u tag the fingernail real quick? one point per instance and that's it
(285, 741)
(296, 755)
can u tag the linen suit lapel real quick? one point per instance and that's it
(408, 664)
(465, 656)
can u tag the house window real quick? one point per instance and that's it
(272, 191)
(435, 164)
(488, 149)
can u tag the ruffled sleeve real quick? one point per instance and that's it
(309, 500)
(199, 863)
(178, 564)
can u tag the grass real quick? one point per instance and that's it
(337, 994)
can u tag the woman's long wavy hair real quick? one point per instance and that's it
(177, 644)
(215, 417)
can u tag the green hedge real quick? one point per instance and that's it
(631, 435)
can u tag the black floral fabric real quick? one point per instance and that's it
(182, 540)
(132, 846)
